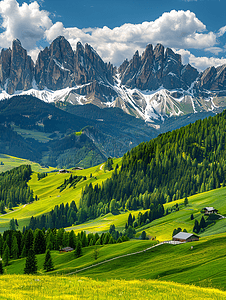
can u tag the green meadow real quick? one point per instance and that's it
(203, 265)
(49, 195)
(10, 162)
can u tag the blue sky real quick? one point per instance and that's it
(116, 29)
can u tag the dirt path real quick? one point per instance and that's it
(125, 255)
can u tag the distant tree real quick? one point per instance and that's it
(143, 235)
(196, 227)
(28, 240)
(31, 263)
(72, 239)
(12, 225)
(192, 217)
(1, 244)
(78, 249)
(202, 223)
(39, 242)
(95, 253)
(15, 248)
(48, 263)
(6, 255)
(1, 268)
(185, 201)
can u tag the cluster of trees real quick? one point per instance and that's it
(14, 244)
(172, 166)
(199, 226)
(177, 230)
(42, 175)
(61, 216)
(108, 165)
(145, 218)
(72, 180)
(13, 187)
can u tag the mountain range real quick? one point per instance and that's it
(152, 86)
(70, 108)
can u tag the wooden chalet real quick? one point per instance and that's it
(63, 171)
(210, 210)
(66, 249)
(185, 237)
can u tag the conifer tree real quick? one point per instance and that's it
(6, 255)
(48, 263)
(15, 248)
(1, 268)
(202, 223)
(31, 263)
(39, 242)
(78, 249)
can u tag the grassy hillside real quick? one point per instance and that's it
(204, 265)
(163, 228)
(10, 162)
(48, 287)
(49, 195)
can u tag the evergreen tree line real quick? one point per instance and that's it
(144, 218)
(15, 244)
(42, 175)
(13, 187)
(199, 226)
(172, 166)
(61, 216)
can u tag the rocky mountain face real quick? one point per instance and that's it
(154, 85)
(157, 67)
(57, 67)
(16, 68)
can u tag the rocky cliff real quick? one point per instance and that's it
(157, 67)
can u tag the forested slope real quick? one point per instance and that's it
(176, 164)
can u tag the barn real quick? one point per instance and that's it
(185, 237)
(66, 249)
(210, 210)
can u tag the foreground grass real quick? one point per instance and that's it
(73, 287)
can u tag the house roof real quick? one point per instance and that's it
(67, 249)
(183, 235)
(210, 208)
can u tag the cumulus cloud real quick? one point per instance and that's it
(178, 29)
(174, 29)
(26, 22)
(201, 63)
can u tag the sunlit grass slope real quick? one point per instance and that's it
(48, 287)
(203, 265)
(49, 195)
(10, 162)
(163, 228)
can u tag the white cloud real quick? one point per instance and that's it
(26, 22)
(221, 31)
(215, 50)
(174, 29)
(179, 29)
(201, 63)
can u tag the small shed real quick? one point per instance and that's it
(63, 171)
(66, 249)
(185, 237)
(210, 210)
(78, 168)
